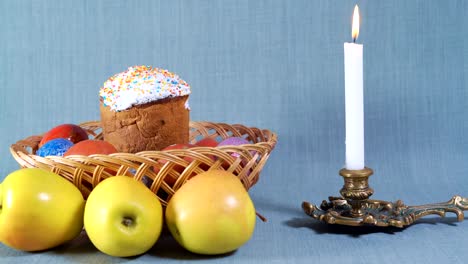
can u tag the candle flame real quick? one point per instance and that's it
(355, 30)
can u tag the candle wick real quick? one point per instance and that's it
(354, 40)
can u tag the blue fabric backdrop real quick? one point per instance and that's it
(275, 65)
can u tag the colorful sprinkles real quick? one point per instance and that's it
(140, 85)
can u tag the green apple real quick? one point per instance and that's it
(211, 213)
(123, 217)
(39, 210)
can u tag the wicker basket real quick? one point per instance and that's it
(164, 172)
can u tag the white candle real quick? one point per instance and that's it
(354, 103)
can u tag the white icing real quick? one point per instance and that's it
(140, 85)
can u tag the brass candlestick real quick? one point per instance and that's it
(355, 209)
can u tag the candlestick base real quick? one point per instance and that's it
(355, 209)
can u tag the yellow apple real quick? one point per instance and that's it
(39, 210)
(123, 217)
(211, 213)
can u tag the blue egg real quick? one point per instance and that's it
(54, 147)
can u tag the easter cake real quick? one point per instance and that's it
(144, 108)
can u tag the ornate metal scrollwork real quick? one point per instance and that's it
(355, 209)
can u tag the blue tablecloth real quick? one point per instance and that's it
(275, 65)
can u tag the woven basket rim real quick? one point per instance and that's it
(272, 141)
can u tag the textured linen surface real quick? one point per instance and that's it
(275, 65)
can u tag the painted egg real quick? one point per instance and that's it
(90, 147)
(54, 147)
(207, 142)
(234, 141)
(71, 132)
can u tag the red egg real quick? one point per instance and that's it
(207, 142)
(179, 146)
(178, 168)
(89, 147)
(71, 132)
